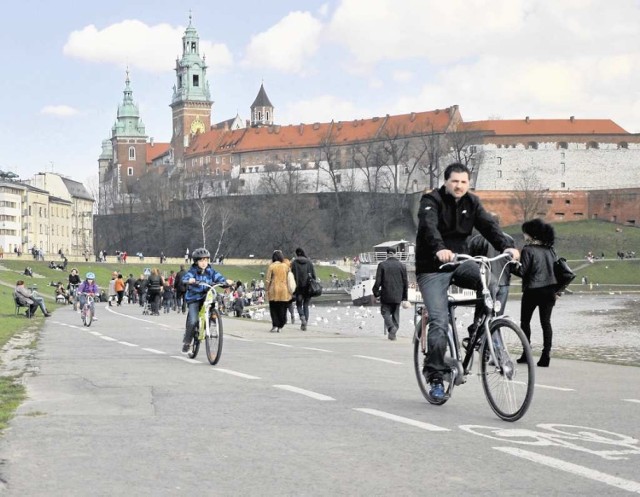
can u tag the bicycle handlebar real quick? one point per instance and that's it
(460, 258)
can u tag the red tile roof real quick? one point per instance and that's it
(569, 126)
(156, 150)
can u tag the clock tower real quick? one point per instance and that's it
(191, 102)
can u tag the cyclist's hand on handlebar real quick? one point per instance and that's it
(191, 281)
(515, 253)
(230, 282)
(445, 255)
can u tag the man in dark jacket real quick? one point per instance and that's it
(391, 286)
(302, 269)
(181, 289)
(447, 217)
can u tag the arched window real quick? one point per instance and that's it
(533, 145)
(592, 145)
(132, 153)
(562, 145)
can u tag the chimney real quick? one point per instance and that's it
(151, 141)
(301, 129)
(412, 117)
(526, 119)
(572, 118)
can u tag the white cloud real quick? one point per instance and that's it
(287, 45)
(134, 43)
(401, 76)
(323, 108)
(59, 110)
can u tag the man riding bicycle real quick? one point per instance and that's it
(447, 217)
(199, 272)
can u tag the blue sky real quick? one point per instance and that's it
(64, 65)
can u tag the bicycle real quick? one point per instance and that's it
(73, 295)
(208, 327)
(507, 385)
(87, 310)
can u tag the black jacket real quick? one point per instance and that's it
(301, 267)
(391, 283)
(536, 266)
(447, 224)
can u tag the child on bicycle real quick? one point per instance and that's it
(200, 271)
(88, 287)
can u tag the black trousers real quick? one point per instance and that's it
(278, 311)
(544, 299)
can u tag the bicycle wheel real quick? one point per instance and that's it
(213, 337)
(195, 343)
(419, 349)
(88, 317)
(507, 385)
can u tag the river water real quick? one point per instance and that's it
(604, 328)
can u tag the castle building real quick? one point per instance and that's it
(395, 153)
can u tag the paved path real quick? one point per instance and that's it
(115, 409)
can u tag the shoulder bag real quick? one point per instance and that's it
(314, 288)
(291, 282)
(561, 270)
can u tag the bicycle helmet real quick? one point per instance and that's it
(91, 276)
(200, 253)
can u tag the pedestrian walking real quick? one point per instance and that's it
(278, 292)
(392, 286)
(302, 269)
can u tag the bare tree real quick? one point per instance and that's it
(225, 221)
(282, 178)
(530, 196)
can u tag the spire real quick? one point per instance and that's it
(191, 70)
(128, 122)
(262, 109)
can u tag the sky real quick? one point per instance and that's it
(64, 65)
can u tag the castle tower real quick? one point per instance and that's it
(261, 109)
(128, 140)
(191, 102)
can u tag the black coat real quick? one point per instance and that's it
(391, 283)
(447, 224)
(536, 266)
(301, 267)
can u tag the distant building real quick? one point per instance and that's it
(50, 212)
(389, 154)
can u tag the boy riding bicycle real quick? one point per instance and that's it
(200, 271)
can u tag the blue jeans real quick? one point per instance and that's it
(433, 287)
(193, 309)
(302, 304)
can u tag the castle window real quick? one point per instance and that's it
(338, 178)
(563, 167)
(562, 185)
(592, 145)
(196, 80)
(129, 171)
(132, 153)
(567, 201)
(180, 81)
(623, 145)
(194, 48)
(499, 172)
(259, 116)
(267, 115)
(563, 145)
(217, 171)
(499, 159)
(533, 145)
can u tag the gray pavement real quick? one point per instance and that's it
(115, 409)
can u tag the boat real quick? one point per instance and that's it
(367, 265)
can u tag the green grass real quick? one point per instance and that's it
(12, 393)
(575, 239)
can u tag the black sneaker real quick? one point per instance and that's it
(185, 348)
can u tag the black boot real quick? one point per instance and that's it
(544, 360)
(522, 359)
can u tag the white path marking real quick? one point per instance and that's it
(401, 419)
(548, 387)
(109, 339)
(151, 321)
(592, 474)
(302, 391)
(280, 344)
(96, 333)
(239, 339)
(236, 373)
(186, 359)
(316, 349)
(155, 351)
(128, 344)
(632, 400)
(388, 361)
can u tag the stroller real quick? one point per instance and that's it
(146, 306)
